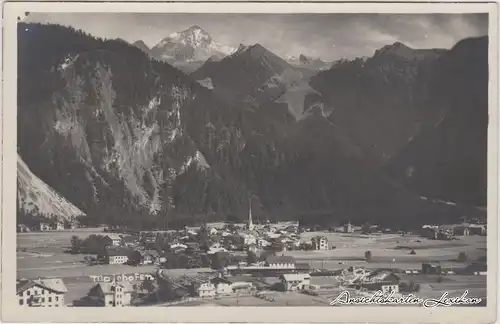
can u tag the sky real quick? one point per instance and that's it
(327, 36)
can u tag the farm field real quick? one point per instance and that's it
(388, 250)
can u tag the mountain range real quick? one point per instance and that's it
(128, 138)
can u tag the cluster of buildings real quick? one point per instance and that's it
(51, 225)
(449, 232)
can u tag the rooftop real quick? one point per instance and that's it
(118, 252)
(52, 284)
(295, 276)
(280, 259)
(109, 287)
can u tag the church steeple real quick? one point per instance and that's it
(250, 222)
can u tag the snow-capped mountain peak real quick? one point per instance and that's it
(191, 44)
(194, 35)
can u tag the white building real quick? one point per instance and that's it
(117, 256)
(222, 286)
(320, 243)
(59, 226)
(41, 292)
(111, 294)
(388, 288)
(115, 239)
(205, 289)
(295, 281)
(248, 239)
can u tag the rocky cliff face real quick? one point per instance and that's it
(104, 129)
(36, 197)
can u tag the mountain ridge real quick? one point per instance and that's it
(132, 140)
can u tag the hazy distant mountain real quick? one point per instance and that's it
(189, 48)
(307, 62)
(142, 46)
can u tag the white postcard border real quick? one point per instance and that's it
(12, 312)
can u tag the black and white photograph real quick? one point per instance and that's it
(175, 159)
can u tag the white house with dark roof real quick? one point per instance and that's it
(111, 294)
(117, 255)
(295, 281)
(41, 292)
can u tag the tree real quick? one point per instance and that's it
(148, 285)
(205, 261)
(368, 255)
(76, 244)
(184, 262)
(96, 244)
(462, 257)
(414, 286)
(220, 260)
(135, 257)
(265, 254)
(251, 257)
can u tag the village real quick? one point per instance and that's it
(247, 264)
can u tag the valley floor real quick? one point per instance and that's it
(43, 255)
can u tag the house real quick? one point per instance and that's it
(150, 257)
(320, 243)
(348, 228)
(280, 262)
(58, 226)
(476, 229)
(222, 286)
(74, 223)
(42, 227)
(111, 294)
(295, 281)
(117, 255)
(204, 289)
(461, 231)
(242, 283)
(21, 228)
(41, 292)
(115, 239)
(248, 239)
(383, 280)
(129, 240)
